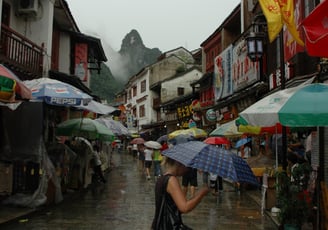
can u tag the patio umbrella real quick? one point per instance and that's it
(242, 141)
(209, 158)
(137, 140)
(217, 141)
(153, 144)
(228, 129)
(84, 127)
(11, 87)
(115, 126)
(301, 106)
(194, 132)
(55, 92)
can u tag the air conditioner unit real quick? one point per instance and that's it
(25, 7)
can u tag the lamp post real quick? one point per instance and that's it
(255, 49)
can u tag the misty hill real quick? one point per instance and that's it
(132, 57)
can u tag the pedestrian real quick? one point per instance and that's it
(189, 179)
(169, 197)
(148, 161)
(141, 156)
(135, 151)
(97, 164)
(157, 159)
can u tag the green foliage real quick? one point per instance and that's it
(294, 200)
(104, 85)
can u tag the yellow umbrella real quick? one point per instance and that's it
(194, 132)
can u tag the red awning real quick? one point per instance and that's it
(316, 31)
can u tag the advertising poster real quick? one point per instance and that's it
(244, 71)
(222, 74)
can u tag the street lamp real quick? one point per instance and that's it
(255, 46)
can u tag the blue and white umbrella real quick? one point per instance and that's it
(209, 158)
(242, 142)
(55, 92)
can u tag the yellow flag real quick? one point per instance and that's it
(287, 11)
(272, 13)
(278, 12)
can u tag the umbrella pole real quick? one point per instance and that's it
(277, 164)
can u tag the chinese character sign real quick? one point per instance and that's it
(244, 71)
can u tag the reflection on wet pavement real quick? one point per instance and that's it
(126, 201)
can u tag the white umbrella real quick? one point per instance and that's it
(265, 112)
(153, 144)
(96, 107)
(115, 126)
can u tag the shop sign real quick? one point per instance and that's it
(222, 74)
(244, 71)
(211, 115)
(275, 77)
(184, 111)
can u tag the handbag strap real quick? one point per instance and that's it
(165, 181)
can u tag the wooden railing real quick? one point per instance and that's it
(18, 51)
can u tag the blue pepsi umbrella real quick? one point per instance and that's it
(242, 142)
(209, 158)
(55, 92)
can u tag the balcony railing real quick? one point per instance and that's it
(20, 53)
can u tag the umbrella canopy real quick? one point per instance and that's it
(55, 92)
(137, 140)
(209, 158)
(182, 138)
(228, 129)
(84, 127)
(301, 106)
(162, 138)
(242, 142)
(217, 141)
(153, 144)
(11, 87)
(99, 108)
(194, 132)
(115, 126)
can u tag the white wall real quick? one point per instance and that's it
(169, 89)
(37, 28)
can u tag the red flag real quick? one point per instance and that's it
(316, 31)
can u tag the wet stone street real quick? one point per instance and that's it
(126, 201)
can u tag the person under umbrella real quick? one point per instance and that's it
(168, 192)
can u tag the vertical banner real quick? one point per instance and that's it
(81, 61)
(222, 74)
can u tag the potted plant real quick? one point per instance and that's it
(294, 201)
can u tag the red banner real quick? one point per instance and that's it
(316, 31)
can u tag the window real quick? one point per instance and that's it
(142, 111)
(143, 86)
(134, 91)
(180, 91)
